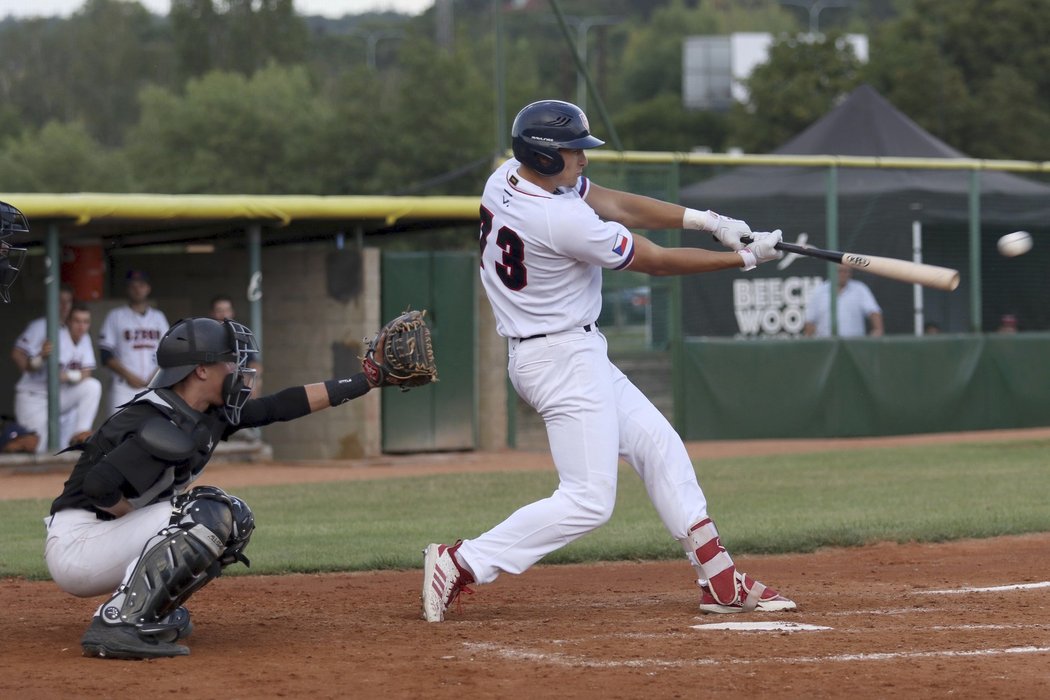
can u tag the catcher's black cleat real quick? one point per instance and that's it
(171, 628)
(124, 642)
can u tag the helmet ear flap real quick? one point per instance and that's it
(545, 161)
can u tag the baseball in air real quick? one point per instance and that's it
(1017, 243)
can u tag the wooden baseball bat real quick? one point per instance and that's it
(902, 270)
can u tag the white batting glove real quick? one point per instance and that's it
(761, 249)
(725, 230)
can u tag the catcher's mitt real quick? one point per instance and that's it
(401, 353)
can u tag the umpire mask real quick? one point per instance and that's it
(12, 221)
(10, 263)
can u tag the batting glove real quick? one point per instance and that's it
(761, 249)
(724, 230)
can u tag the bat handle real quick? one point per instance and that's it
(747, 240)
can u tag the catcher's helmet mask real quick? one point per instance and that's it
(541, 128)
(11, 221)
(202, 341)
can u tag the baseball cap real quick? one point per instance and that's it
(137, 276)
(15, 437)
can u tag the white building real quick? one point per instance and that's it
(714, 68)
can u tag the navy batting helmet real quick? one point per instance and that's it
(543, 127)
(11, 221)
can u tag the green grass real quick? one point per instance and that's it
(791, 503)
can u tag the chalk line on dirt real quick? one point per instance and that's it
(559, 659)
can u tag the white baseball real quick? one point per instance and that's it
(73, 375)
(1013, 244)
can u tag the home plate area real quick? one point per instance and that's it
(966, 619)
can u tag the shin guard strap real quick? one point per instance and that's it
(715, 562)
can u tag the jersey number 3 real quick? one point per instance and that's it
(511, 269)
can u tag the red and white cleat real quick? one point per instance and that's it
(750, 596)
(443, 580)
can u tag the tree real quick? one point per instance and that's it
(61, 158)
(242, 36)
(800, 82)
(436, 123)
(232, 134)
(972, 72)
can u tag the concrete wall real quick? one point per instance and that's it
(306, 333)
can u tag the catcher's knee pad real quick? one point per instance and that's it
(227, 516)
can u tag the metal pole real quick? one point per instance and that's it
(582, 68)
(916, 256)
(832, 209)
(51, 262)
(975, 251)
(501, 97)
(255, 291)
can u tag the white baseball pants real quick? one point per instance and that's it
(78, 406)
(594, 416)
(87, 556)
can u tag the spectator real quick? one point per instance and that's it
(33, 346)
(79, 392)
(221, 310)
(30, 354)
(858, 312)
(128, 341)
(931, 328)
(1007, 324)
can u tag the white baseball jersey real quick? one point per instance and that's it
(542, 254)
(79, 355)
(855, 303)
(133, 338)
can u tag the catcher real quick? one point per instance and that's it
(130, 519)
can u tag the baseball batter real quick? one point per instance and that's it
(128, 340)
(547, 232)
(79, 393)
(130, 520)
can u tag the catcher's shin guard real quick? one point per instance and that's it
(209, 530)
(715, 563)
(177, 562)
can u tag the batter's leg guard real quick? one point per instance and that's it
(715, 563)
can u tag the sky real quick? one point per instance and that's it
(329, 8)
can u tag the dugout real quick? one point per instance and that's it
(307, 274)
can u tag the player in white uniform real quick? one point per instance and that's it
(79, 393)
(128, 342)
(546, 234)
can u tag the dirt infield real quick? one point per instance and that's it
(887, 621)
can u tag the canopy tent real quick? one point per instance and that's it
(877, 211)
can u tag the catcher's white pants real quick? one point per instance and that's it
(87, 556)
(78, 406)
(594, 416)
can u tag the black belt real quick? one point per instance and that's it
(588, 328)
